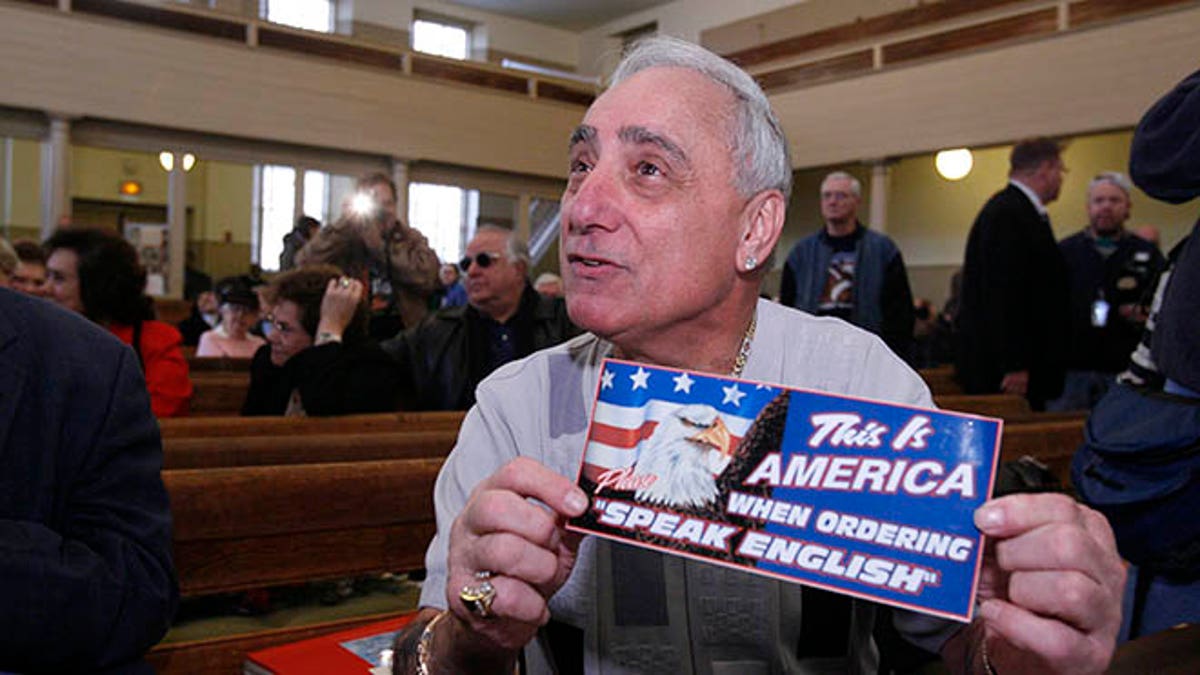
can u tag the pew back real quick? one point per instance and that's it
(247, 527)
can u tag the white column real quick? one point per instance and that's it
(524, 227)
(400, 178)
(176, 227)
(56, 174)
(879, 195)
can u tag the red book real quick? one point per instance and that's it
(349, 651)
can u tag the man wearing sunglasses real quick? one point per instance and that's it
(446, 356)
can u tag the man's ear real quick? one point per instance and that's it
(762, 224)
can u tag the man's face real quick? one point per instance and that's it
(29, 277)
(448, 275)
(651, 218)
(285, 333)
(206, 302)
(383, 196)
(839, 204)
(1051, 175)
(501, 282)
(1108, 208)
(62, 279)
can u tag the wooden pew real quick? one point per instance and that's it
(246, 527)
(1004, 406)
(219, 392)
(940, 380)
(307, 448)
(216, 427)
(1052, 443)
(201, 364)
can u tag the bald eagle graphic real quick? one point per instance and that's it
(686, 453)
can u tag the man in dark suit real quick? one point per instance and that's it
(86, 580)
(1012, 322)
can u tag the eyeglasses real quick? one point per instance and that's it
(271, 324)
(484, 260)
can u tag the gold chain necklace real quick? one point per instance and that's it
(739, 364)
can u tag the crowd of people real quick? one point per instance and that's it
(363, 317)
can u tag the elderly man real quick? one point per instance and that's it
(678, 182)
(446, 356)
(1012, 323)
(848, 271)
(1112, 274)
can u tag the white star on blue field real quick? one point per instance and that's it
(633, 384)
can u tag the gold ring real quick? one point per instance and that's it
(479, 597)
(344, 282)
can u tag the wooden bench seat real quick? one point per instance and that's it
(307, 448)
(213, 427)
(237, 528)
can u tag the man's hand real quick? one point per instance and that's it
(1051, 585)
(523, 545)
(342, 296)
(1016, 382)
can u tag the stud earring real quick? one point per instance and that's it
(751, 262)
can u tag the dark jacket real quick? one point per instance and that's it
(86, 580)
(1014, 300)
(445, 357)
(883, 302)
(1126, 277)
(333, 379)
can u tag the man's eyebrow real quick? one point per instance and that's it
(582, 134)
(639, 135)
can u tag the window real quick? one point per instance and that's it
(276, 211)
(278, 191)
(307, 14)
(441, 39)
(445, 215)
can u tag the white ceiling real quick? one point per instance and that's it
(576, 15)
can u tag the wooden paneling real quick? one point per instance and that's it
(558, 92)
(864, 29)
(318, 46)
(1042, 22)
(1095, 11)
(160, 17)
(816, 71)
(445, 70)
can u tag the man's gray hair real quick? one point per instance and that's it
(855, 185)
(8, 258)
(760, 150)
(1115, 178)
(515, 250)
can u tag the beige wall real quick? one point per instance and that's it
(26, 189)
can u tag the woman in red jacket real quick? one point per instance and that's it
(97, 274)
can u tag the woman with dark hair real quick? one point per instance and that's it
(318, 359)
(97, 274)
(238, 309)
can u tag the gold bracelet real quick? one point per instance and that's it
(425, 644)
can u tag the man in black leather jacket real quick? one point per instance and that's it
(447, 355)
